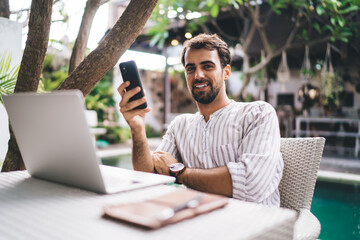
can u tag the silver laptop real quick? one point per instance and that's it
(56, 144)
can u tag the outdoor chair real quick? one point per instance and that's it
(302, 158)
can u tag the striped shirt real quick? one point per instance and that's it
(245, 137)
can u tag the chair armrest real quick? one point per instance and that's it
(307, 226)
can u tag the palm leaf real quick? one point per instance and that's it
(15, 71)
(8, 76)
(2, 64)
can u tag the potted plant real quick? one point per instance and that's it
(331, 87)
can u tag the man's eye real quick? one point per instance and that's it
(208, 66)
(190, 69)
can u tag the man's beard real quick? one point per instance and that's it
(205, 97)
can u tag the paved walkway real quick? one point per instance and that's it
(125, 148)
(338, 164)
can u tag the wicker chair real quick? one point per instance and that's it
(301, 163)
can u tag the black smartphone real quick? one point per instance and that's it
(130, 73)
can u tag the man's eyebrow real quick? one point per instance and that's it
(206, 62)
(202, 63)
(189, 64)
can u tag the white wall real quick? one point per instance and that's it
(10, 42)
(292, 86)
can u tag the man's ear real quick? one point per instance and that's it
(227, 72)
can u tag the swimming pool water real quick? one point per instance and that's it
(337, 206)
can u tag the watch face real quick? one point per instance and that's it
(176, 167)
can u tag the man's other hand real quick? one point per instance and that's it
(162, 162)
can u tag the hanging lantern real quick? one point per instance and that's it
(328, 67)
(309, 95)
(283, 72)
(305, 71)
(331, 83)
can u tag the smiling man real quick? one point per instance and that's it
(229, 148)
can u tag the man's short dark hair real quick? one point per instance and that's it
(210, 42)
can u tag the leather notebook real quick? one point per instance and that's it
(167, 209)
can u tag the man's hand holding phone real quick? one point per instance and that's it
(134, 117)
(133, 104)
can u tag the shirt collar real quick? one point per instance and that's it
(218, 112)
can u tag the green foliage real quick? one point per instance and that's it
(116, 135)
(51, 79)
(47, 66)
(194, 12)
(308, 72)
(152, 133)
(278, 5)
(249, 98)
(119, 134)
(304, 35)
(214, 10)
(101, 97)
(159, 39)
(331, 87)
(332, 14)
(8, 76)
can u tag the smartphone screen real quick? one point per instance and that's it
(130, 73)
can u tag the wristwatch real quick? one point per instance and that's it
(176, 169)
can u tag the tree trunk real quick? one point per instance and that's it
(117, 41)
(78, 52)
(13, 160)
(246, 80)
(4, 8)
(31, 67)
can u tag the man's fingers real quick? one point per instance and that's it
(156, 157)
(160, 152)
(121, 88)
(127, 95)
(133, 113)
(131, 105)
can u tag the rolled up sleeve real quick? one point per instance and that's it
(238, 176)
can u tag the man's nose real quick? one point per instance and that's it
(199, 73)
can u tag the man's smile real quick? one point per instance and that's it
(200, 85)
